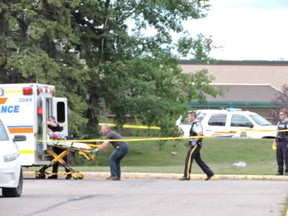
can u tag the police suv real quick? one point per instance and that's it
(230, 123)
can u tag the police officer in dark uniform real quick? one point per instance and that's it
(54, 131)
(195, 145)
(281, 140)
(120, 150)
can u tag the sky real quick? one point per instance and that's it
(245, 29)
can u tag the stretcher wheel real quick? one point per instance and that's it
(77, 175)
(40, 175)
(81, 176)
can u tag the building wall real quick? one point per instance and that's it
(275, 75)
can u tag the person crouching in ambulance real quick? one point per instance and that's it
(55, 132)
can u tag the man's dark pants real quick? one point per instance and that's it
(194, 153)
(115, 158)
(282, 156)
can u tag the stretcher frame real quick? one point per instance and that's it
(81, 148)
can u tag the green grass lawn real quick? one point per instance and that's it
(219, 154)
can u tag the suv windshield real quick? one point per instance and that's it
(3, 133)
(260, 120)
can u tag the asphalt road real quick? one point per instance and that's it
(147, 197)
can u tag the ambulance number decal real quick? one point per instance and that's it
(25, 99)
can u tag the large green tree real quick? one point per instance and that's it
(107, 56)
(37, 45)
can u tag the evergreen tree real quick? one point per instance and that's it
(101, 55)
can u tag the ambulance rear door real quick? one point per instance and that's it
(60, 112)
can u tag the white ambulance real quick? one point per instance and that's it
(25, 109)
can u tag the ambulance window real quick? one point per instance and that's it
(61, 112)
(3, 133)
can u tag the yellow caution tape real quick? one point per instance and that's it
(251, 130)
(217, 134)
(125, 140)
(132, 126)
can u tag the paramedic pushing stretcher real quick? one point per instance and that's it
(54, 131)
(195, 145)
(120, 150)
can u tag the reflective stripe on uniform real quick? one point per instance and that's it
(189, 161)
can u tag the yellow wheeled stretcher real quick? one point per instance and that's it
(67, 146)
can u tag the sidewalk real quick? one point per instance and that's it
(134, 175)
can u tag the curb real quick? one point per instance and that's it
(136, 175)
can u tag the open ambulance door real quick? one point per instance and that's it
(60, 111)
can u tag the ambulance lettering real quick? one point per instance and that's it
(10, 109)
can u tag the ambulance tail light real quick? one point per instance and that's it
(27, 91)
